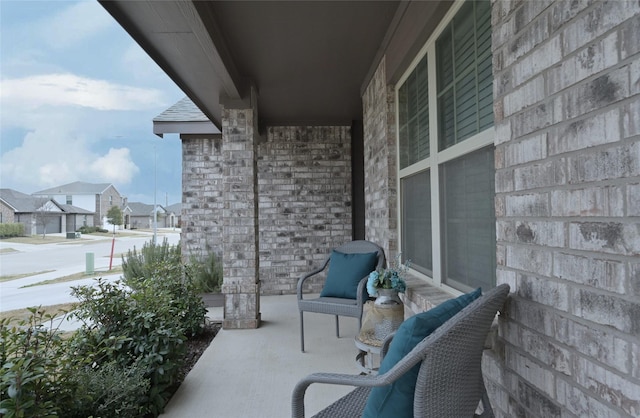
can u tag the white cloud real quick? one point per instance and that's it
(49, 157)
(74, 25)
(72, 90)
(116, 166)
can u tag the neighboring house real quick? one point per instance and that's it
(140, 215)
(174, 213)
(489, 142)
(38, 213)
(94, 197)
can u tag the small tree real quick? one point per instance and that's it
(44, 211)
(114, 217)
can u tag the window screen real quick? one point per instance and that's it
(468, 220)
(416, 221)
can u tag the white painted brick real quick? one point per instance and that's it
(543, 57)
(596, 130)
(542, 233)
(593, 201)
(530, 149)
(528, 258)
(608, 237)
(581, 404)
(601, 274)
(532, 372)
(527, 205)
(633, 200)
(609, 386)
(544, 174)
(526, 95)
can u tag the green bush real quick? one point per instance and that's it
(123, 360)
(91, 229)
(11, 230)
(207, 274)
(143, 264)
(35, 377)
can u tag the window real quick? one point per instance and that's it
(110, 200)
(446, 153)
(69, 200)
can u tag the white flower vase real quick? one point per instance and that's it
(390, 311)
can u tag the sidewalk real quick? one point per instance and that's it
(251, 373)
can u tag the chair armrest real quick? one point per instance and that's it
(297, 397)
(310, 274)
(360, 300)
(385, 345)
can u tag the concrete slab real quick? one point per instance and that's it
(251, 373)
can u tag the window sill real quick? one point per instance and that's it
(421, 296)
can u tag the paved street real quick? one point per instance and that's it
(64, 258)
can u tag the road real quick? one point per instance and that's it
(63, 259)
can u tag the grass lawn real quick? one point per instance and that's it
(78, 276)
(18, 315)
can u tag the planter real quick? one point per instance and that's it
(389, 312)
(212, 300)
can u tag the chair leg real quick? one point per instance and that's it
(337, 327)
(301, 332)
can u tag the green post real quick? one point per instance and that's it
(89, 259)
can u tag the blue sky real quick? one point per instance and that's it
(77, 99)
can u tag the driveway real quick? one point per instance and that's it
(59, 260)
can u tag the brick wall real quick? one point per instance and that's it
(305, 201)
(567, 112)
(240, 219)
(202, 203)
(8, 215)
(381, 216)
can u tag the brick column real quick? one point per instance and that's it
(241, 285)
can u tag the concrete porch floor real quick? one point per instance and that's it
(251, 373)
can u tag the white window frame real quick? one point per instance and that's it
(436, 158)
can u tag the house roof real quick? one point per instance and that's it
(20, 202)
(142, 209)
(24, 203)
(76, 188)
(175, 208)
(183, 117)
(306, 61)
(74, 210)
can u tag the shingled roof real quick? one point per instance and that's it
(76, 188)
(183, 117)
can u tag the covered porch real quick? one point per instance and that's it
(251, 373)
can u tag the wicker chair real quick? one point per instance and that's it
(338, 306)
(450, 380)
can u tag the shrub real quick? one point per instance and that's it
(91, 229)
(123, 360)
(143, 263)
(207, 274)
(11, 230)
(34, 379)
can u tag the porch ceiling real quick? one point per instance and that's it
(307, 59)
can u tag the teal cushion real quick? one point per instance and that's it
(346, 271)
(396, 400)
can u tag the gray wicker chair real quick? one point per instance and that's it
(450, 380)
(338, 306)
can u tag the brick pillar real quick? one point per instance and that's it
(241, 285)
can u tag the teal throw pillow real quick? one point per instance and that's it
(346, 271)
(396, 400)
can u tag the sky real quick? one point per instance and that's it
(77, 102)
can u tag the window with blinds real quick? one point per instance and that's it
(413, 116)
(465, 79)
(447, 214)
